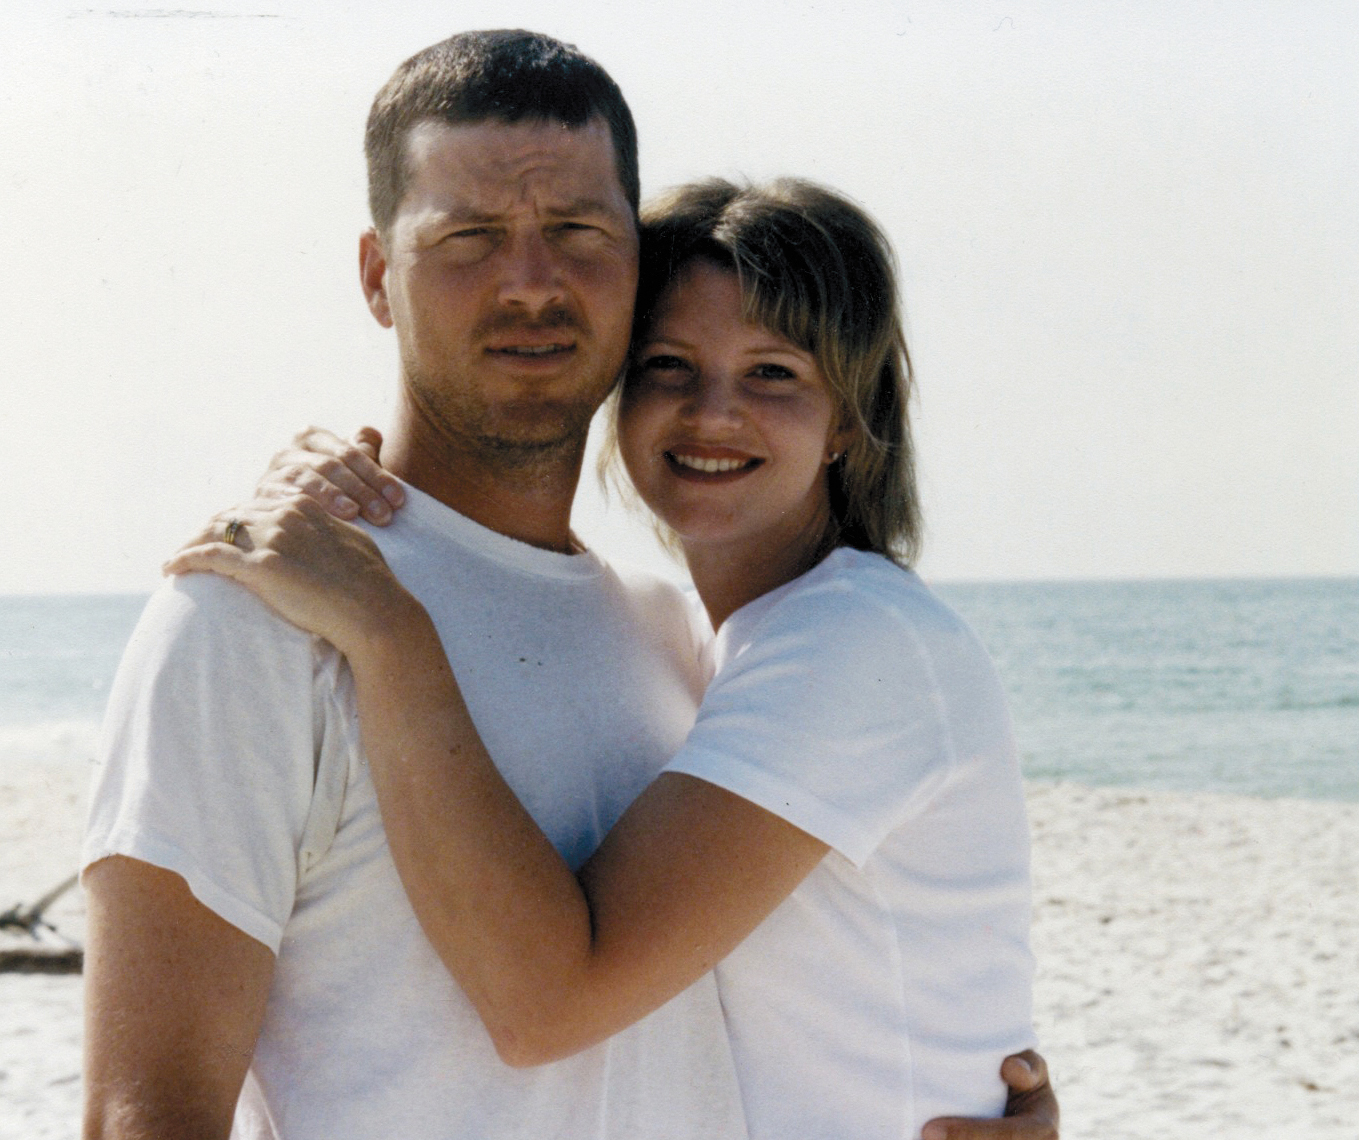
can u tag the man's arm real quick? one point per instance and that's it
(1030, 1112)
(174, 999)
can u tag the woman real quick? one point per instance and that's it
(842, 835)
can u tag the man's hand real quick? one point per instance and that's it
(1030, 1111)
(344, 477)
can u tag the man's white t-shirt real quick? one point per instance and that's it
(889, 986)
(231, 755)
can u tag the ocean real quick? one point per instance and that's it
(1250, 687)
(1242, 686)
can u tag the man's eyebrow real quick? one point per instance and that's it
(471, 216)
(580, 207)
(464, 216)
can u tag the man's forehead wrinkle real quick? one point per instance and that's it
(500, 158)
(485, 201)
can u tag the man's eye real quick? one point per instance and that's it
(466, 239)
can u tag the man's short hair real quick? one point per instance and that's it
(506, 75)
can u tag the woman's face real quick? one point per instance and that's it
(725, 427)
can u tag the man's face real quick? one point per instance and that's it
(509, 273)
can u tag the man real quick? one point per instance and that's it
(252, 956)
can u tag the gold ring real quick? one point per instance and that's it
(232, 528)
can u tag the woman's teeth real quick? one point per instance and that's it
(708, 465)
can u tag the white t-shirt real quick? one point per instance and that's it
(231, 756)
(889, 986)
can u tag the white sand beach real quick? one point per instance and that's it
(1197, 963)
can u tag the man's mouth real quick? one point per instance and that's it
(531, 350)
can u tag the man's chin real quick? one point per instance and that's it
(534, 425)
(536, 429)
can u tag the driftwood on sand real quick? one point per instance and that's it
(32, 951)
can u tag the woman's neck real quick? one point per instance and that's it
(728, 576)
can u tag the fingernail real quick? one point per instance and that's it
(394, 494)
(1027, 1067)
(379, 512)
(346, 506)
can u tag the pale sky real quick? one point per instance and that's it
(1128, 232)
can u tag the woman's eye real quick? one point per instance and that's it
(661, 371)
(774, 372)
(662, 363)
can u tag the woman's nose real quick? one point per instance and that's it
(712, 401)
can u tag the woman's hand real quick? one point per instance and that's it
(344, 477)
(323, 575)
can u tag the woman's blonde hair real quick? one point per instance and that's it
(814, 268)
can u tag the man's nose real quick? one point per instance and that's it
(531, 276)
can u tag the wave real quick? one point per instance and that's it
(63, 743)
(1290, 703)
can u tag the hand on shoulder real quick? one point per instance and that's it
(323, 575)
(344, 476)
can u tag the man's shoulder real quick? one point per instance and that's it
(210, 762)
(657, 599)
(644, 583)
(205, 640)
(197, 609)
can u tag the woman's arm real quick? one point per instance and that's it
(552, 961)
(555, 962)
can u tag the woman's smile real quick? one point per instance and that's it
(691, 462)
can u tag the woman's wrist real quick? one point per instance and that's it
(393, 629)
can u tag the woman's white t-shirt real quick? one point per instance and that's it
(889, 986)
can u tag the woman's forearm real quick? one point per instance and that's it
(553, 961)
(501, 907)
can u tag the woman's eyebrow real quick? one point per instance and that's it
(773, 349)
(663, 342)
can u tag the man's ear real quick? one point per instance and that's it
(373, 276)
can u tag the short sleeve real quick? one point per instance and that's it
(826, 711)
(207, 759)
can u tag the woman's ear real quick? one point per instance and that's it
(839, 442)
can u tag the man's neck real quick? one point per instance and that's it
(526, 500)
